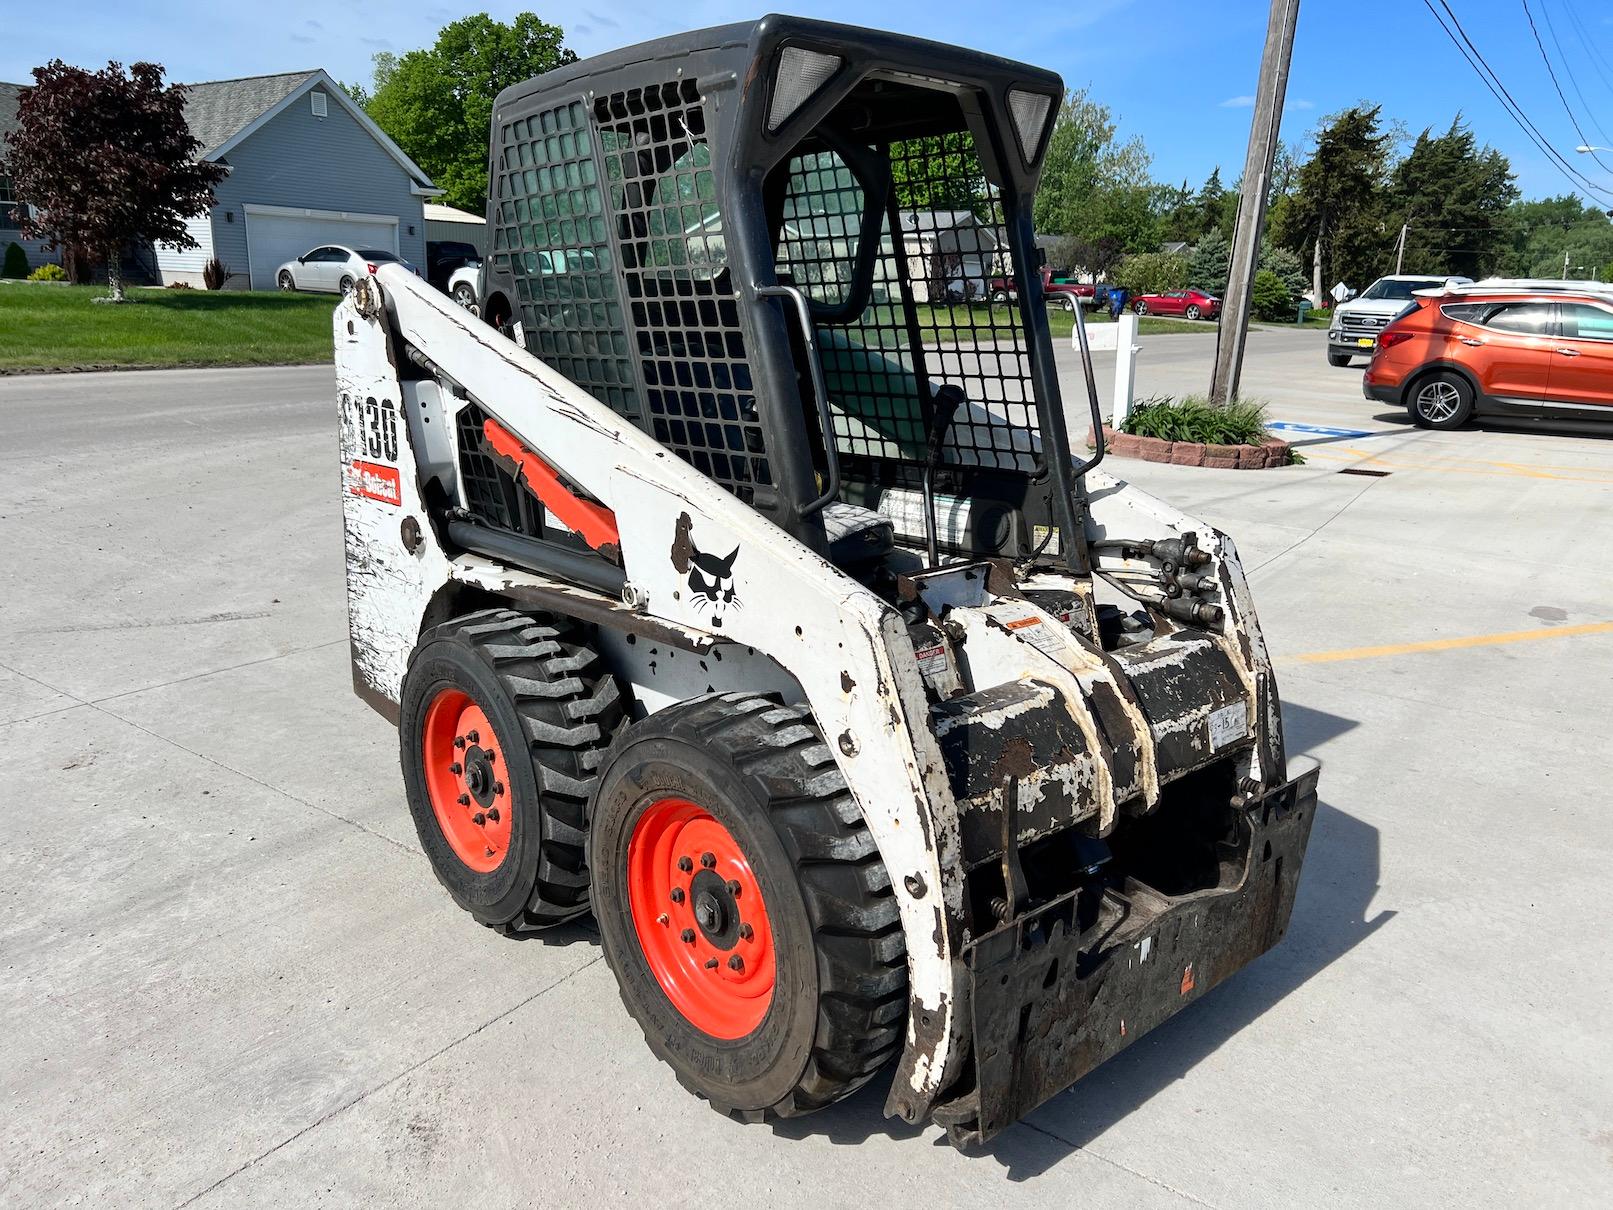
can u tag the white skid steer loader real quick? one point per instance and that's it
(731, 583)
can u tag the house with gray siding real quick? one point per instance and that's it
(306, 166)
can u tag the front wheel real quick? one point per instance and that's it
(1141, 308)
(999, 297)
(744, 908)
(1067, 302)
(1441, 401)
(1338, 360)
(285, 281)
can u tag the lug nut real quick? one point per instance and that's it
(677, 894)
(473, 737)
(459, 741)
(708, 860)
(478, 819)
(685, 864)
(736, 963)
(492, 813)
(711, 964)
(464, 800)
(687, 934)
(746, 932)
(456, 769)
(733, 887)
(498, 787)
(663, 919)
(491, 755)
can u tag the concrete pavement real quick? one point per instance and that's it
(229, 978)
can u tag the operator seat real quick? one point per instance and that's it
(858, 537)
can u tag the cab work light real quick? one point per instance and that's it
(800, 74)
(1029, 111)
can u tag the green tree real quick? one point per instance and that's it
(960, 184)
(437, 103)
(1211, 263)
(1335, 217)
(1152, 272)
(1453, 197)
(1209, 205)
(1084, 161)
(1542, 232)
(1288, 267)
(1269, 299)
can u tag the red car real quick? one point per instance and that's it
(1191, 304)
(1530, 349)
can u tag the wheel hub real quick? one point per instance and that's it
(464, 780)
(701, 922)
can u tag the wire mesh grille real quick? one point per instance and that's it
(551, 226)
(930, 321)
(490, 491)
(697, 389)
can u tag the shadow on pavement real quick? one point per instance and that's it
(1331, 917)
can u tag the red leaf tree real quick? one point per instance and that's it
(107, 159)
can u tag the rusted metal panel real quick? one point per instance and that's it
(1073, 983)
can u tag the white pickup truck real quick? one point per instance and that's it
(1356, 324)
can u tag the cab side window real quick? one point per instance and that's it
(1526, 319)
(1582, 321)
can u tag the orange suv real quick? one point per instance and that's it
(1519, 349)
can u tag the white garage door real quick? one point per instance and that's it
(275, 235)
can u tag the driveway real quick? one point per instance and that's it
(231, 980)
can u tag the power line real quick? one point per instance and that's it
(1598, 61)
(1551, 28)
(1492, 82)
(1584, 140)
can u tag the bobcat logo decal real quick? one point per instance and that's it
(711, 577)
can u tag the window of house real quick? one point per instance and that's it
(8, 201)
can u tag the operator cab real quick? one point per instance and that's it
(768, 245)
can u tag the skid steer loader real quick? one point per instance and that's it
(730, 579)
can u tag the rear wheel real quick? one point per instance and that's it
(1441, 401)
(1067, 302)
(465, 297)
(744, 908)
(999, 297)
(1338, 359)
(503, 726)
(1193, 311)
(346, 286)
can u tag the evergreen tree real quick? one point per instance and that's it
(1335, 219)
(1453, 197)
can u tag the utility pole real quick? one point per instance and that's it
(1400, 252)
(1565, 264)
(1234, 330)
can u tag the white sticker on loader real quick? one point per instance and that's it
(1228, 725)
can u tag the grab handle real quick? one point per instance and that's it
(819, 391)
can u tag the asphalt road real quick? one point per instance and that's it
(230, 979)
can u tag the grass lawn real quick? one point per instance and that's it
(1060, 323)
(59, 328)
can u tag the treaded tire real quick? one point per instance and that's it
(543, 689)
(1338, 360)
(1442, 400)
(839, 1002)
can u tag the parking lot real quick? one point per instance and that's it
(231, 980)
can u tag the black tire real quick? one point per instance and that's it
(1193, 311)
(544, 690)
(1141, 308)
(285, 281)
(838, 1007)
(345, 286)
(1338, 360)
(1000, 297)
(1442, 400)
(465, 297)
(1067, 301)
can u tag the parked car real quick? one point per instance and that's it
(966, 288)
(333, 269)
(1479, 350)
(1354, 327)
(1068, 294)
(1191, 304)
(444, 257)
(464, 286)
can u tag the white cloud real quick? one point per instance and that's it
(1302, 104)
(1238, 103)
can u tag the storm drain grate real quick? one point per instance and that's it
(1356, 470)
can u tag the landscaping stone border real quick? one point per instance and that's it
(1272, 452)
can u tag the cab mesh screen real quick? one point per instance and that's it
(696, 386)
(931, 320)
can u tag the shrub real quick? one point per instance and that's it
(215, 273)
(16, 261)
(179, 285)
(1241, 422)
(1152, 272)
(1270, 299)
(48, 273)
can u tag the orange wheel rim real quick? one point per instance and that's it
(465, 780)
(698, 911)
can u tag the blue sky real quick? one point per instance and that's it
(1177, 72)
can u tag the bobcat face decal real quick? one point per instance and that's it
(711, 582)
(710, 577)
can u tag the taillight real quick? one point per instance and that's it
(1392, 338)
(369, 266)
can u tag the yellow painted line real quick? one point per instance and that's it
(1505, 470)
(1473, 640)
